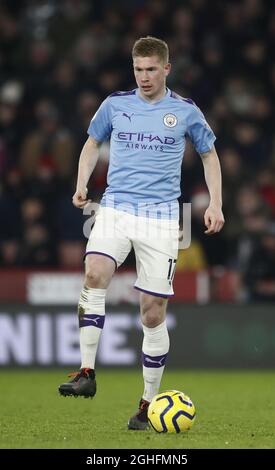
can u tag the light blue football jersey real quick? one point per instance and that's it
(147, 142)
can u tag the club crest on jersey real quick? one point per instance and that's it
(170, 120)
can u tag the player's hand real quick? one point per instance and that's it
(213, 219)
(80, 198)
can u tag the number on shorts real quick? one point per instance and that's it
(171, 269)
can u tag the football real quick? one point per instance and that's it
(172, 412)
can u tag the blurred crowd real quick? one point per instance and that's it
(60, 59)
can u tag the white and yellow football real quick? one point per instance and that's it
(172, 412)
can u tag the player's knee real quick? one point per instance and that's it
(96, 277)
(98, 271)
(93, 278)
(151, 319)
(153, 311)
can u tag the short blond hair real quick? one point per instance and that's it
(150, 46)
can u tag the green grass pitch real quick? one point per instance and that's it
(235, 409)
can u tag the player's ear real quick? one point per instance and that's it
(167, 68)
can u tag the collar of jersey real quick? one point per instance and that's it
(167, 95)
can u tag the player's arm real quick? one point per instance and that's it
(213, 217)
(87, 162)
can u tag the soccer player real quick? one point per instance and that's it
(147, 128)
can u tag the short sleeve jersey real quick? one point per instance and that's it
(147, 143)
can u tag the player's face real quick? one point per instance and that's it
(150, 74)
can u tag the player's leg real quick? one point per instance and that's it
(156, 260)
(107, 248)
(99, 270)
(155, 349)
(155, 346)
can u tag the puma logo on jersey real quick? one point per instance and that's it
(128, 116)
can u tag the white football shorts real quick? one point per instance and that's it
(155, 242)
